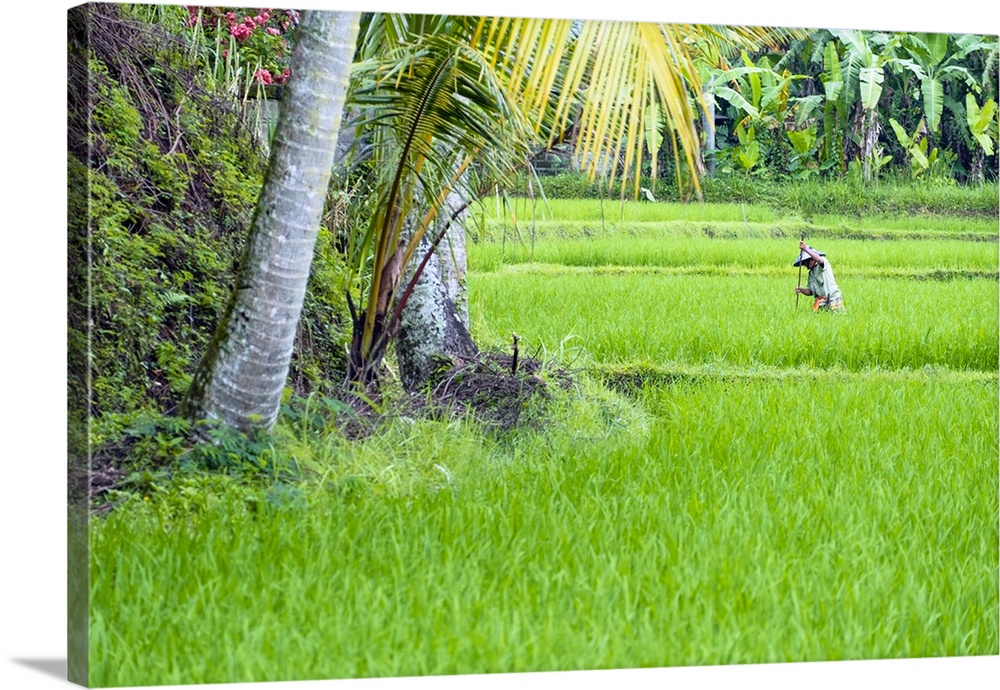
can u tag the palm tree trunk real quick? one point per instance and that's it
(434, 322)
(453, 257)
(242, 375)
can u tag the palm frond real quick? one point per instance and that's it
(445, 99)
(430, 103)
(606, 77)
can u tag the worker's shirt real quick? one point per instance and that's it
(821, 281)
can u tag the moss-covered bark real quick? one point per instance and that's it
(242, 377)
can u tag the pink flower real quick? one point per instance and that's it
(283, 77)
(274, 32)
(266, 15)
(248, 22)
(264, 76)
(258, 19)
(240, 32)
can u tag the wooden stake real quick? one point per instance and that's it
(513, 365)
(802, 238)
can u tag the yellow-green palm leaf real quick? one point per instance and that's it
(608, 75)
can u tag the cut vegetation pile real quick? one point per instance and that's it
(499, 391)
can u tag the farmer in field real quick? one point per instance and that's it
(820, 284)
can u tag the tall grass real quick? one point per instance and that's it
(728, 524)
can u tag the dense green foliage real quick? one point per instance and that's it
(864, 102)
(165, 180)
(830, 105)
(833, 105)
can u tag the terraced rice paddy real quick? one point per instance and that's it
(920, 291)
(735, 479)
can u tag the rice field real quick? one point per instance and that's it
(734, 480)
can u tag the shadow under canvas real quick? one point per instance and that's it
(50, 667)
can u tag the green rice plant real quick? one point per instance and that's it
(758, 522)
(525, 210)
(904, 224)
(615, 211)
(743, 320)
(661, 248)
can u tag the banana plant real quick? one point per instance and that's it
(916, 146)
(930, 62)
(982, 122)
(861, 74)
(762, 99)
(803, 141)
(653, 127)
(713, 50)
(865, 68)
(835, 109)
(762, 95)
(983, 125)
(748, 153)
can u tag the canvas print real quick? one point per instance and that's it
(420, 345)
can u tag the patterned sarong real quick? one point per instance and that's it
(834, 305)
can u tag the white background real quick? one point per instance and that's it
(33, 343)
